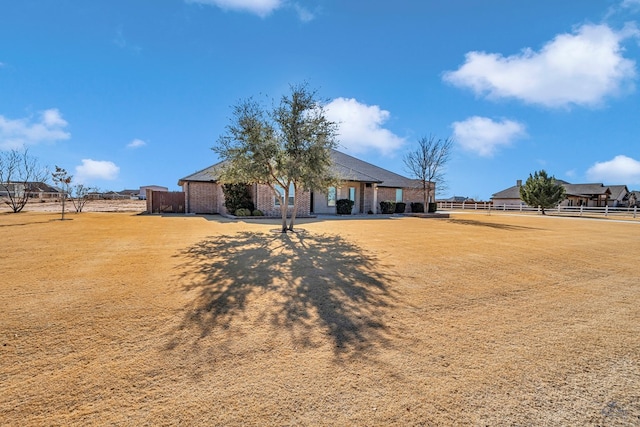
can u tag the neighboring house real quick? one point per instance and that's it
(131, 194)
(619, 196)
(457, 199)
(588, 195)
(36, 190)
(509, 196)
(142, 195)
(633, 199)
(366, 184)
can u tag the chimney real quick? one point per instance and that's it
(519, 183)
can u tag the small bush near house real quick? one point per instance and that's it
(237, 196)
(344, 206)
(417, 207)
(257, 212)
(243, 212)
(433, 207)
(400, 207)
(387, 207)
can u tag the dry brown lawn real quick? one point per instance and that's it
(127, 319)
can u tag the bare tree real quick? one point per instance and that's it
(63, 180)
(426, 164)
(80, 196)
(19, 172)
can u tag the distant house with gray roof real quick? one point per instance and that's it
(364, 183)
(588, 195)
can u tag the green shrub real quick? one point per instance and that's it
(237, 196)
(257, 212)
(417, 207)
(344, 206)
(400, 207)
(387, 207)
(243, 212)
(433, 207)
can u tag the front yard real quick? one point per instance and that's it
(119, 318)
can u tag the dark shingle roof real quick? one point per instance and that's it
(585, 189)
(350, 168)
(571, 189)
(346, 167)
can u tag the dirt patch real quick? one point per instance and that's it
(121, 318)
(126, 205)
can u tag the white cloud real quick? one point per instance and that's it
(580, 68)
(136, 143)
(261, 8)
(121, 41)
(484, 136)
(630, 4)
(17, 133)
(361, 126)
(303, 14)
(96, 169)
(619, 170)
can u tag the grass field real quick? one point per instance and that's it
(127, 319)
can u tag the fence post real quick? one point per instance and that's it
(635, 208)
(581, 209)
(558, 209)
(475, 206)
(504, 207)
(520, 207)
(606, 210)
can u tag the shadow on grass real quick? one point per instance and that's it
(490, 224)
(314, 285)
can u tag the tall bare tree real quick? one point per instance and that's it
(286, 147)
(63, 180)
(19, 172)
(426, 163)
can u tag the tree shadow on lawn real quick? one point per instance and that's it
(320, 285)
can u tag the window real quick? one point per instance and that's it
(352, 194)
(331, 196)
(398, 194)
(292, 194)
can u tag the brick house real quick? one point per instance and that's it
(364, 183)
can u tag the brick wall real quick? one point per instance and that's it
(264, 200)
(408, 195)
(202, 197)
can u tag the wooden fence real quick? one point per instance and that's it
(577, 211)
(165, 201)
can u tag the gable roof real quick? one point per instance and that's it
(586, 189)
(349, 168)
(619, 191)
(33, 187)
(346, 167)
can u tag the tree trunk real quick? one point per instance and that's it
(427, 193)
(295, 207)
(284, 202)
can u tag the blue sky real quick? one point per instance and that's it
(126, 93)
